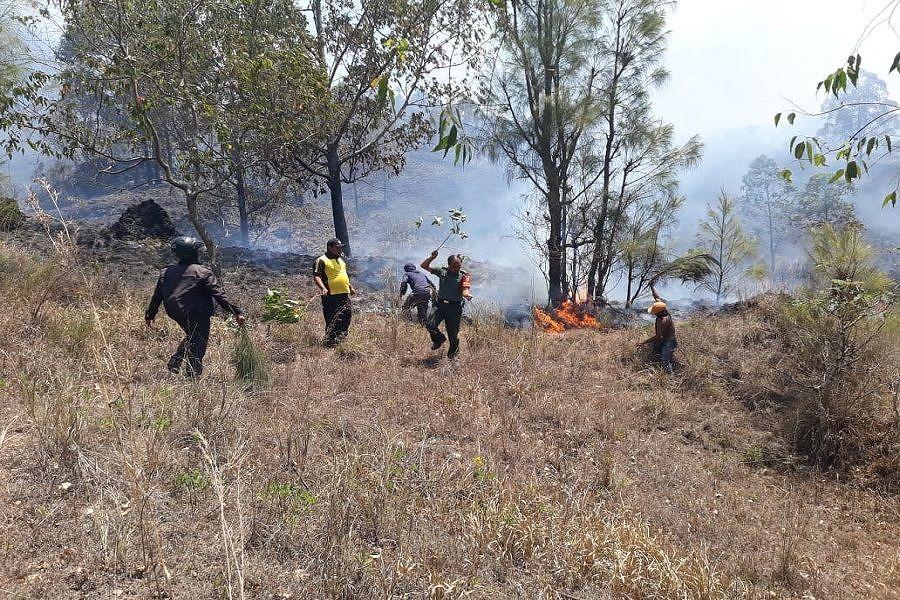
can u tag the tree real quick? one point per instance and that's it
(200, 89)
(567, 107)
(861, 106)
(634, 148)
(542, 98)
(722, 236)
(645, 190)
(386, 63)
(15, 54)
(767, 202)
(642, 250)
(862, 113)
(822, 203)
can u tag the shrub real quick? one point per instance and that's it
(840, 362)
(11, 216)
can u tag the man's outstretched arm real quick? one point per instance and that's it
(426, 264)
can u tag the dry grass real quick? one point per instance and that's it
(535, 466)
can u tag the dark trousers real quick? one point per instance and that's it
(666, 351)
(192, 347)
(420, 301)
(338, 312)
(451, 315)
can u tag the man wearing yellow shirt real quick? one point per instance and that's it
(330, 276)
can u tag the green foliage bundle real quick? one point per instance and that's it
(281, 309)
(250, 363)
(692, 267)
(457, 218)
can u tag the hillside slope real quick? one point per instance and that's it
(534, 466)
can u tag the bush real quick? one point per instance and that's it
(840, 356)
(11, 216)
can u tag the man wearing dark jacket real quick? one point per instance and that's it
(187, 291)
(420, 288)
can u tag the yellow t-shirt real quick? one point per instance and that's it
(333, 272)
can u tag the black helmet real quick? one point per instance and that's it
(185, 246)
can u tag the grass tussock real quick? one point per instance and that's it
(534, 466)
(250, 362)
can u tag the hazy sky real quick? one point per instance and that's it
(738, 62)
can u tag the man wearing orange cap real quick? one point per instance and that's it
(663, 340)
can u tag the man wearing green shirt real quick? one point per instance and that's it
(453, 290)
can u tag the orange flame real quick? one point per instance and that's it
(568, 316)
(546, 322)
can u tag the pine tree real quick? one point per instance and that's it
(722, 236)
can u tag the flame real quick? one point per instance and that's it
(546, 322)
(568, 316)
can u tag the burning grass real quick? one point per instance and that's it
(533, 467)
(567, 316)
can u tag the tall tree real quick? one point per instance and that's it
(631, 50)
(567, 101)
(723, 237)
(184, 85)
(542, 96)
(860, 107)
(822, 202)
(387, 63)
(767, 201)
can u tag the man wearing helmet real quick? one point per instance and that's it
(187, 291)
(663, 340)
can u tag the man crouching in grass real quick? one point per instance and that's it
(663, 340)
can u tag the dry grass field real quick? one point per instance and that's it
(535, 466)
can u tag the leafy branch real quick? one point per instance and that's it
(457, 218)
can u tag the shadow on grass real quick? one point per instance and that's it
(429, 362)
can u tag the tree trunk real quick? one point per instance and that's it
(628, 299)
(555, 268)
(191, 199)
(241, 192)
(337, 198)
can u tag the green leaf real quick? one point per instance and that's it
(809, 151)
(871, 145)
(777, 119)
(786, 175)
(381, 98)
(892, 198)
(887, 139)
(837, 175)
(791, 117)
(895, 66)
(798, 151)
(852, 171)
